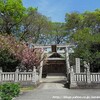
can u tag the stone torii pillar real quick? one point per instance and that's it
(41, 66)
(67, 61)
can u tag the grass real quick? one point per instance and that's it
(28, 88)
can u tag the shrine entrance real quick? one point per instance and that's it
(54, 66)
(55, 63)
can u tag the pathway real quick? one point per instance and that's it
(53, 89)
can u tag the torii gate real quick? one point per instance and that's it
(65, 47)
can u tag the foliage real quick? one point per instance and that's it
(84, 29)
(17, 53)
(9, 90)
(88, 47)
(77, 21)
(73, 21)
(34, 25)
(11, 14)
(27, 24)
(9, 50)
(58, 33)
(8, 61)
(30, 58)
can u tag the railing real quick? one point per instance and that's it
(80, 77)
(95, 77)
(5, 76)
(25, 76)
(19, 77)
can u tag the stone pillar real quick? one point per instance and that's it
(0, 74)
(88, 76)
(40, 71)
(34, 75)
(87, 67)
(73, 83)
(16, 74)
(67, 61)
(41, 66)
(77, 66)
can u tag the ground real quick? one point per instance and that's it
(53, 89)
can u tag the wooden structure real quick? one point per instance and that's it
(54, 64)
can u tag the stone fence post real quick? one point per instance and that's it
(87, 69)
(73, 83)
(16, 74)
(88, 76)
(34, 75)
(0, 74)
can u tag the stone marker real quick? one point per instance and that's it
(77, 67)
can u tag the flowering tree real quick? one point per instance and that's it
(26, 56)
(31, 57)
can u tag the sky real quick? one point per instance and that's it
(56, 9)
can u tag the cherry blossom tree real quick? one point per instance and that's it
(27, 57)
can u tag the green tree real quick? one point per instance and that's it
(88, 47)
(76, 21)
(73, 21)
(58, 32)
(84, 31)
(34, 26)
(92, 21)
(11, 14)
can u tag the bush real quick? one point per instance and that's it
(9, 90)
(8, 61)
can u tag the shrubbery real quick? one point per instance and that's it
(9, 90)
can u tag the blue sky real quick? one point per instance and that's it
(56, 9)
